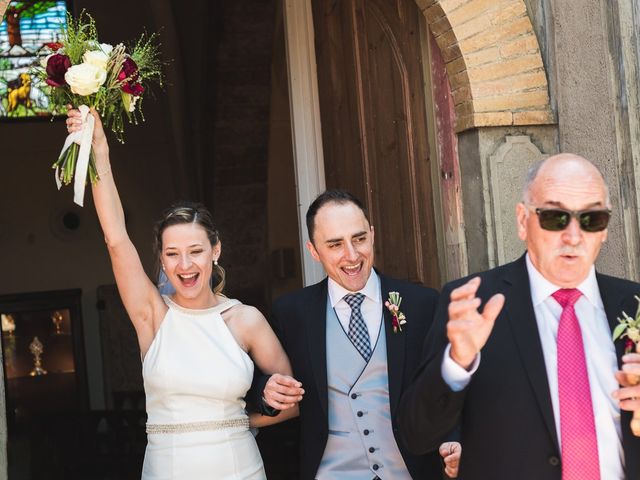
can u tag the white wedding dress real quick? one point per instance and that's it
(195, 378)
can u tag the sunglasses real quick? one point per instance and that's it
(557, 219)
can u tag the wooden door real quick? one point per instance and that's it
(372, 106)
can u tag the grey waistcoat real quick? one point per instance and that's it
(361, 444)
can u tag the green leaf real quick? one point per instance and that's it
(619, 330)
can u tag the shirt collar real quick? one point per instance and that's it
(541, 288)
(371, 289)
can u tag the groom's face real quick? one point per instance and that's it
(343, 243)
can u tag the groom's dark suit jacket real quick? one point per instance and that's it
(505, 413)
(299, 320)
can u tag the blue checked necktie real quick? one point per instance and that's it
(358, 333)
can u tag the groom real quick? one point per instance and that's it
(352, 362)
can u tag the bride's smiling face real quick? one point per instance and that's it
(187, 259)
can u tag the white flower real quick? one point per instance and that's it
(106, 48)
(85, 78)
(99, 55)
(97, 58)
(633, 334)
(132, 105)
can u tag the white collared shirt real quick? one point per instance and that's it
(600, 356)
(371, 307)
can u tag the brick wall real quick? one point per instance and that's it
(493, 61)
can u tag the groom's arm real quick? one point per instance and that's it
(255, 399)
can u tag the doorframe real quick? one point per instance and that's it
(444, 239)
(306, 131)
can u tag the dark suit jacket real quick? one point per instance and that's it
(299, 320)
(505, 414)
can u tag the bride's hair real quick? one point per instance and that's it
(190, 212)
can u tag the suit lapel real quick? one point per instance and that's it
(613, 301)
(395, 347)
(316, 327)
(522, 320)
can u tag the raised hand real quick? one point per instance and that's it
(450, 453)
(467, 329)
(74, 124)
(282, 392)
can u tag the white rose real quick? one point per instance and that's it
(85, 78)
(106, 48)
(97, 58)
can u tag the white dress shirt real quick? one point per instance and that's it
(371, 307)
(600, 358)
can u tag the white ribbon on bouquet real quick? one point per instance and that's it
(83, 138)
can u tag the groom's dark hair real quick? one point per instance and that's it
(331, 196)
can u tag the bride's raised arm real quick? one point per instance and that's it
(139, 295)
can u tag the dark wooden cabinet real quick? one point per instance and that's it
(60, 382)
(45, 380)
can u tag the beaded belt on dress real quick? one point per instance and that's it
(197, 426)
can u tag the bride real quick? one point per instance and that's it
(198, 347)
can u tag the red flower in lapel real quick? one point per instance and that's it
(397, 317)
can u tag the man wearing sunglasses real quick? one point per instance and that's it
(521, 357)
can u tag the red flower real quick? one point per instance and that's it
(57, 66)
(55, 46)
(629, 346)
(128, 77)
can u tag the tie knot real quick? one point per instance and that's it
(354, 300)
(567, 297)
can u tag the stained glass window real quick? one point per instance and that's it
(25, 31)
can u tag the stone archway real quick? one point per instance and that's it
(493, 61)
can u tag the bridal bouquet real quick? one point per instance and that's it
(82, 72)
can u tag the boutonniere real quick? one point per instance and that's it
(393, 305)
(629, 327)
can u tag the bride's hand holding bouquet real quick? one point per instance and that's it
(76, 122)
(87, 74)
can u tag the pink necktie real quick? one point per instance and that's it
(577, 426)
